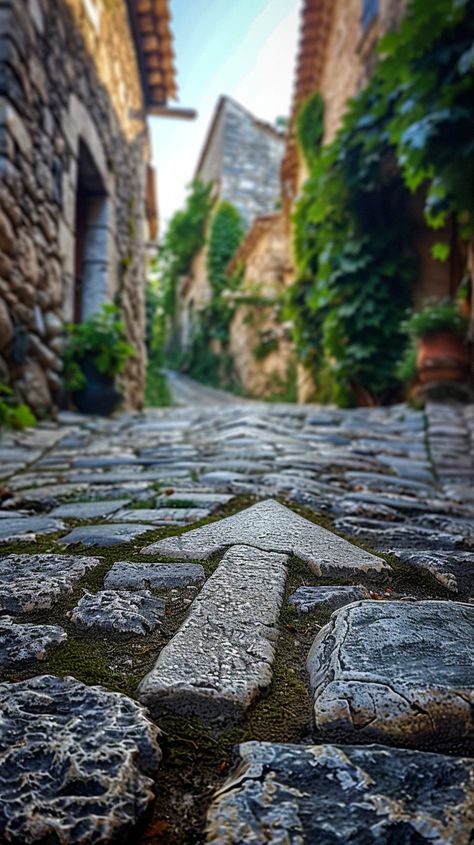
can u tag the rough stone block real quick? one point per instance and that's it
(307, 599)
(90, 755)
(154, 575)
(396, 672)
(331, 795)
(221, 657)
(26, 642)
(119, 610)
(36, 582)
(104, 535)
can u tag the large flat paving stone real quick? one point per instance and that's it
(119, 610)
(88, 510)
(104, 535)
(454, 569)
(76, 763)
(221, 657)
(330, 795)
(307, 599)
(11, 529)
(26, 642)
(396, 672)
(163, 516)
(36, 582)
(208, 500)
(274, 528)
(156, 575)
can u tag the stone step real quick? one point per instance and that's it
(221, 657)
(396, 672)
(318, 794)
(274, 528)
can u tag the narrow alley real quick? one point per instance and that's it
(286, 589)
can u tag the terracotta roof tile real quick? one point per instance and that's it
(153, 40)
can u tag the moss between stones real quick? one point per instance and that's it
(196, 760)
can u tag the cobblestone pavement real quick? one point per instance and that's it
(232, 622)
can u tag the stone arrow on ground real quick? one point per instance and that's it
(271, 527)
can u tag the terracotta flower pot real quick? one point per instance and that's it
(442, 356)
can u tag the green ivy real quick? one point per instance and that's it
(14, 414)
(184, 237)
(309, 127)
(352, 243)
(225, 234)
(102, 338)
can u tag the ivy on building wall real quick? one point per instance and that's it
(225, 234)
(410, 126)
(184, 237)
(309, 126)
(206, 358)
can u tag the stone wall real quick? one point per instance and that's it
(256, 325)
(71, 114)
(242, 158)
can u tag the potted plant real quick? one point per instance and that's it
(438, 350)
(96, 352)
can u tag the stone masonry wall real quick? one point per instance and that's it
(258, 322)
(252, 153)
(68, 79)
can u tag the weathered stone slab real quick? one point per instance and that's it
(329, 795)
(454, 569)
(26, 642)
(398, 672)
(88, 510)
(119, 610)
(210, 501)
(307, 599)
(104, 535)
(163, 516)
(410, 535)
(36, 582)
(156, 575)
(221, 657)
(10, 529)
(271, 527)
(76, 762)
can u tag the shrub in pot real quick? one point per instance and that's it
(438, 350)
(96, 352)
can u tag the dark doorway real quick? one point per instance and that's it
(91, 239)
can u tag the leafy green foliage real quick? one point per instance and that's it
(184, 237)
(157, 392)
(427, 72)
(436, 316)
(410, 126)
(103, 339)
(310, 127)
(225, 234)
(13, 414)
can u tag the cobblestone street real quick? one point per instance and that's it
(237, 622)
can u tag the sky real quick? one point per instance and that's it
(243, 48)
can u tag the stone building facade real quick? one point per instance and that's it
(336, 57)
(241, 157)
(76, 80)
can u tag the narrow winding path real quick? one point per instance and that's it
(232, 622)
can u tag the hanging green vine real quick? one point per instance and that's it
(310, 127)
(183, 239)
(352, 242)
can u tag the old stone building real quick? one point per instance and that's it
(241, 157)
(77, 79)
